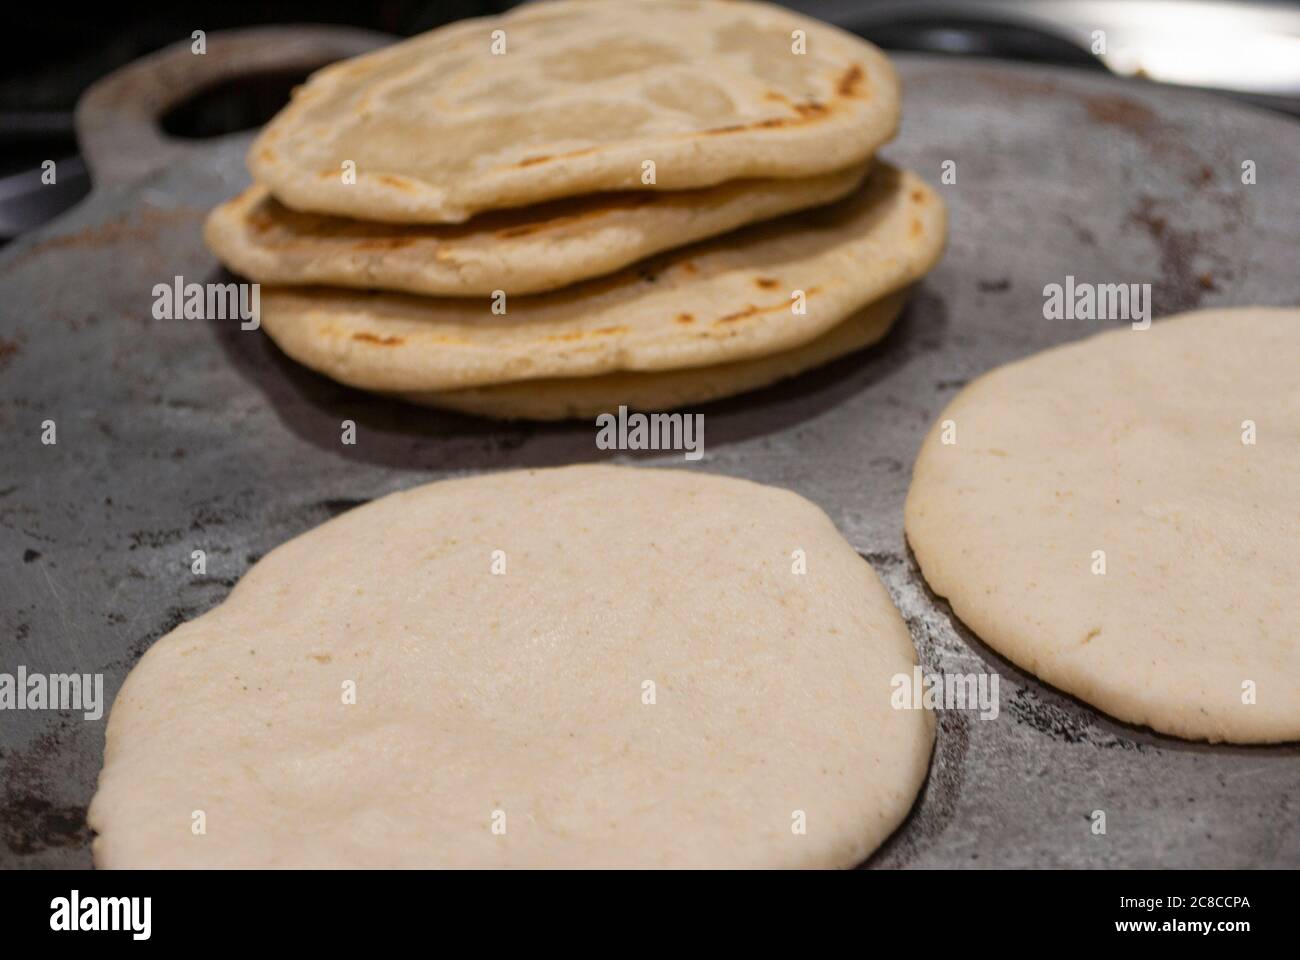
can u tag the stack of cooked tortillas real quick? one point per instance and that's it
(583, 204)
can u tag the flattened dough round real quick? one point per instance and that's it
(520, 251)
(524, 692)
(585, 94)
(1131, 443)
(585, 397)
(714, 302)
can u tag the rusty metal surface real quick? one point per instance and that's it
(182, 435)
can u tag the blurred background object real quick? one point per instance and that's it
(1248, 50)
(1245, 49)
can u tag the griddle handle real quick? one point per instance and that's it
(117, 117)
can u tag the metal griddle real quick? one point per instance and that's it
(177, 435)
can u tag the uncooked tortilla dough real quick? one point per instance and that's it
(645, 683)
(1168, 458)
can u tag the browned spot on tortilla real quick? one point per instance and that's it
(688, 266)
(580, 334)
(851, 83)
(365, 337)
(267, 155)
(918, 227)
(751, 310)
(545, 158)
(918, 196)
(807, 112)
(685, 318)
(776, 96)
(767, 283)
(396, 182)
(321, 657)
(601, 207)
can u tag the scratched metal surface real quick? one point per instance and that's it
(179, 435)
